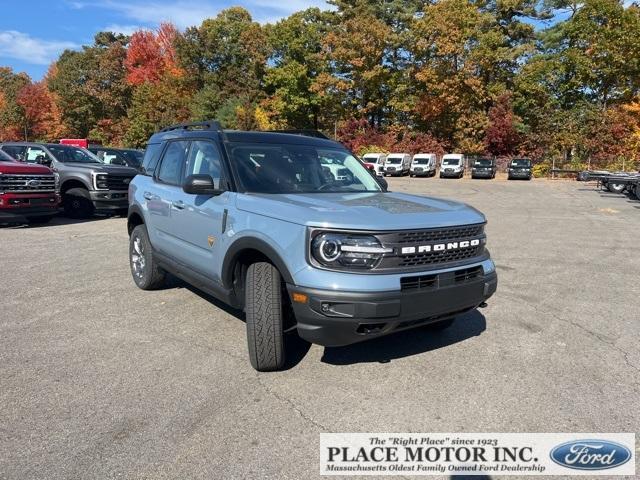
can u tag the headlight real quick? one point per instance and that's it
(346, 250)
(56, 181)
(101, 181)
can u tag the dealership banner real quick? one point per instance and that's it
(477, 454)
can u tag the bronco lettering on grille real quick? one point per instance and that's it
(441, 247)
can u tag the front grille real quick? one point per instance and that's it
(440, 234)
(423, 282)
(446, 279)
(411, 242)
(119, 182)
(11, 183)
(436, 258)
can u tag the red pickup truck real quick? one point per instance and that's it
(27, 192)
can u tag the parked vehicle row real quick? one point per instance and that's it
(452, 165)
(84, 182)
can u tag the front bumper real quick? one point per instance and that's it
(450, 174)
(22, 214)
(110, 199)
(482, 173)
(421, 173)
(334, 318)
(394, 172)
(520, 174)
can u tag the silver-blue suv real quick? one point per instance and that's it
(295, 231)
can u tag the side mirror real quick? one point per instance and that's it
(200, 184)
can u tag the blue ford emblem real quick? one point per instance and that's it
(590, 454)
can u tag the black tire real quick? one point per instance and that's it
(77, 204)
(615, 187)
(39, 220)
(146, 273)
(263, 301)
(441, 325)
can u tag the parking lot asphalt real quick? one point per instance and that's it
(101, 380)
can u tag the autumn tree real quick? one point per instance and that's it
(90, 84)
(226, 58)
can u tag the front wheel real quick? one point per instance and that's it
(145, 271)
(77, 204)
(265, 335)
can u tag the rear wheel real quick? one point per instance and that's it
(77, 204)
(145, 271)
(265, 336)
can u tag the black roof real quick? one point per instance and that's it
(212, 129)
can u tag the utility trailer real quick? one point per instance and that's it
(630, 183)
(614, 182)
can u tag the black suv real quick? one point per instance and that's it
(520, 168)
(483, 168)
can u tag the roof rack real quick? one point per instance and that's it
(304, 133)
(206, 125)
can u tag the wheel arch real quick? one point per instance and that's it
(73, 182)
(134, 218)
(241, 254)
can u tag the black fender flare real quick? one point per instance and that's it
(75, 179)
(251, 243)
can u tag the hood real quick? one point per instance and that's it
(98, 167)
(24, 168)
(361, 211)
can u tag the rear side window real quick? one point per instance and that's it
(150, 160)
(15, 151)
(173, 162)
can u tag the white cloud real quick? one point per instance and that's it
(187, 13)
(20, 46)
(124, 29)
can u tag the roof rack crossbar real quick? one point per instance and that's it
(206, 125)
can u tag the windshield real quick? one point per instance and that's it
(450, 161)
(521, 162)
(67, 153)
(421, 161)
(394, 160)
(483, 162)
(269, 168)
(5, 157)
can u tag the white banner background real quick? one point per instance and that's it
(426, 453)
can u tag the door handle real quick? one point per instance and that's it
(149, 196)
(178, 204)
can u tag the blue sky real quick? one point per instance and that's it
(34, 32)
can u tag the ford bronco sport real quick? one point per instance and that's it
(86, 183)
(259, 221)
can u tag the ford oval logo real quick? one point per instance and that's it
(590, 454)
(33, 183)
